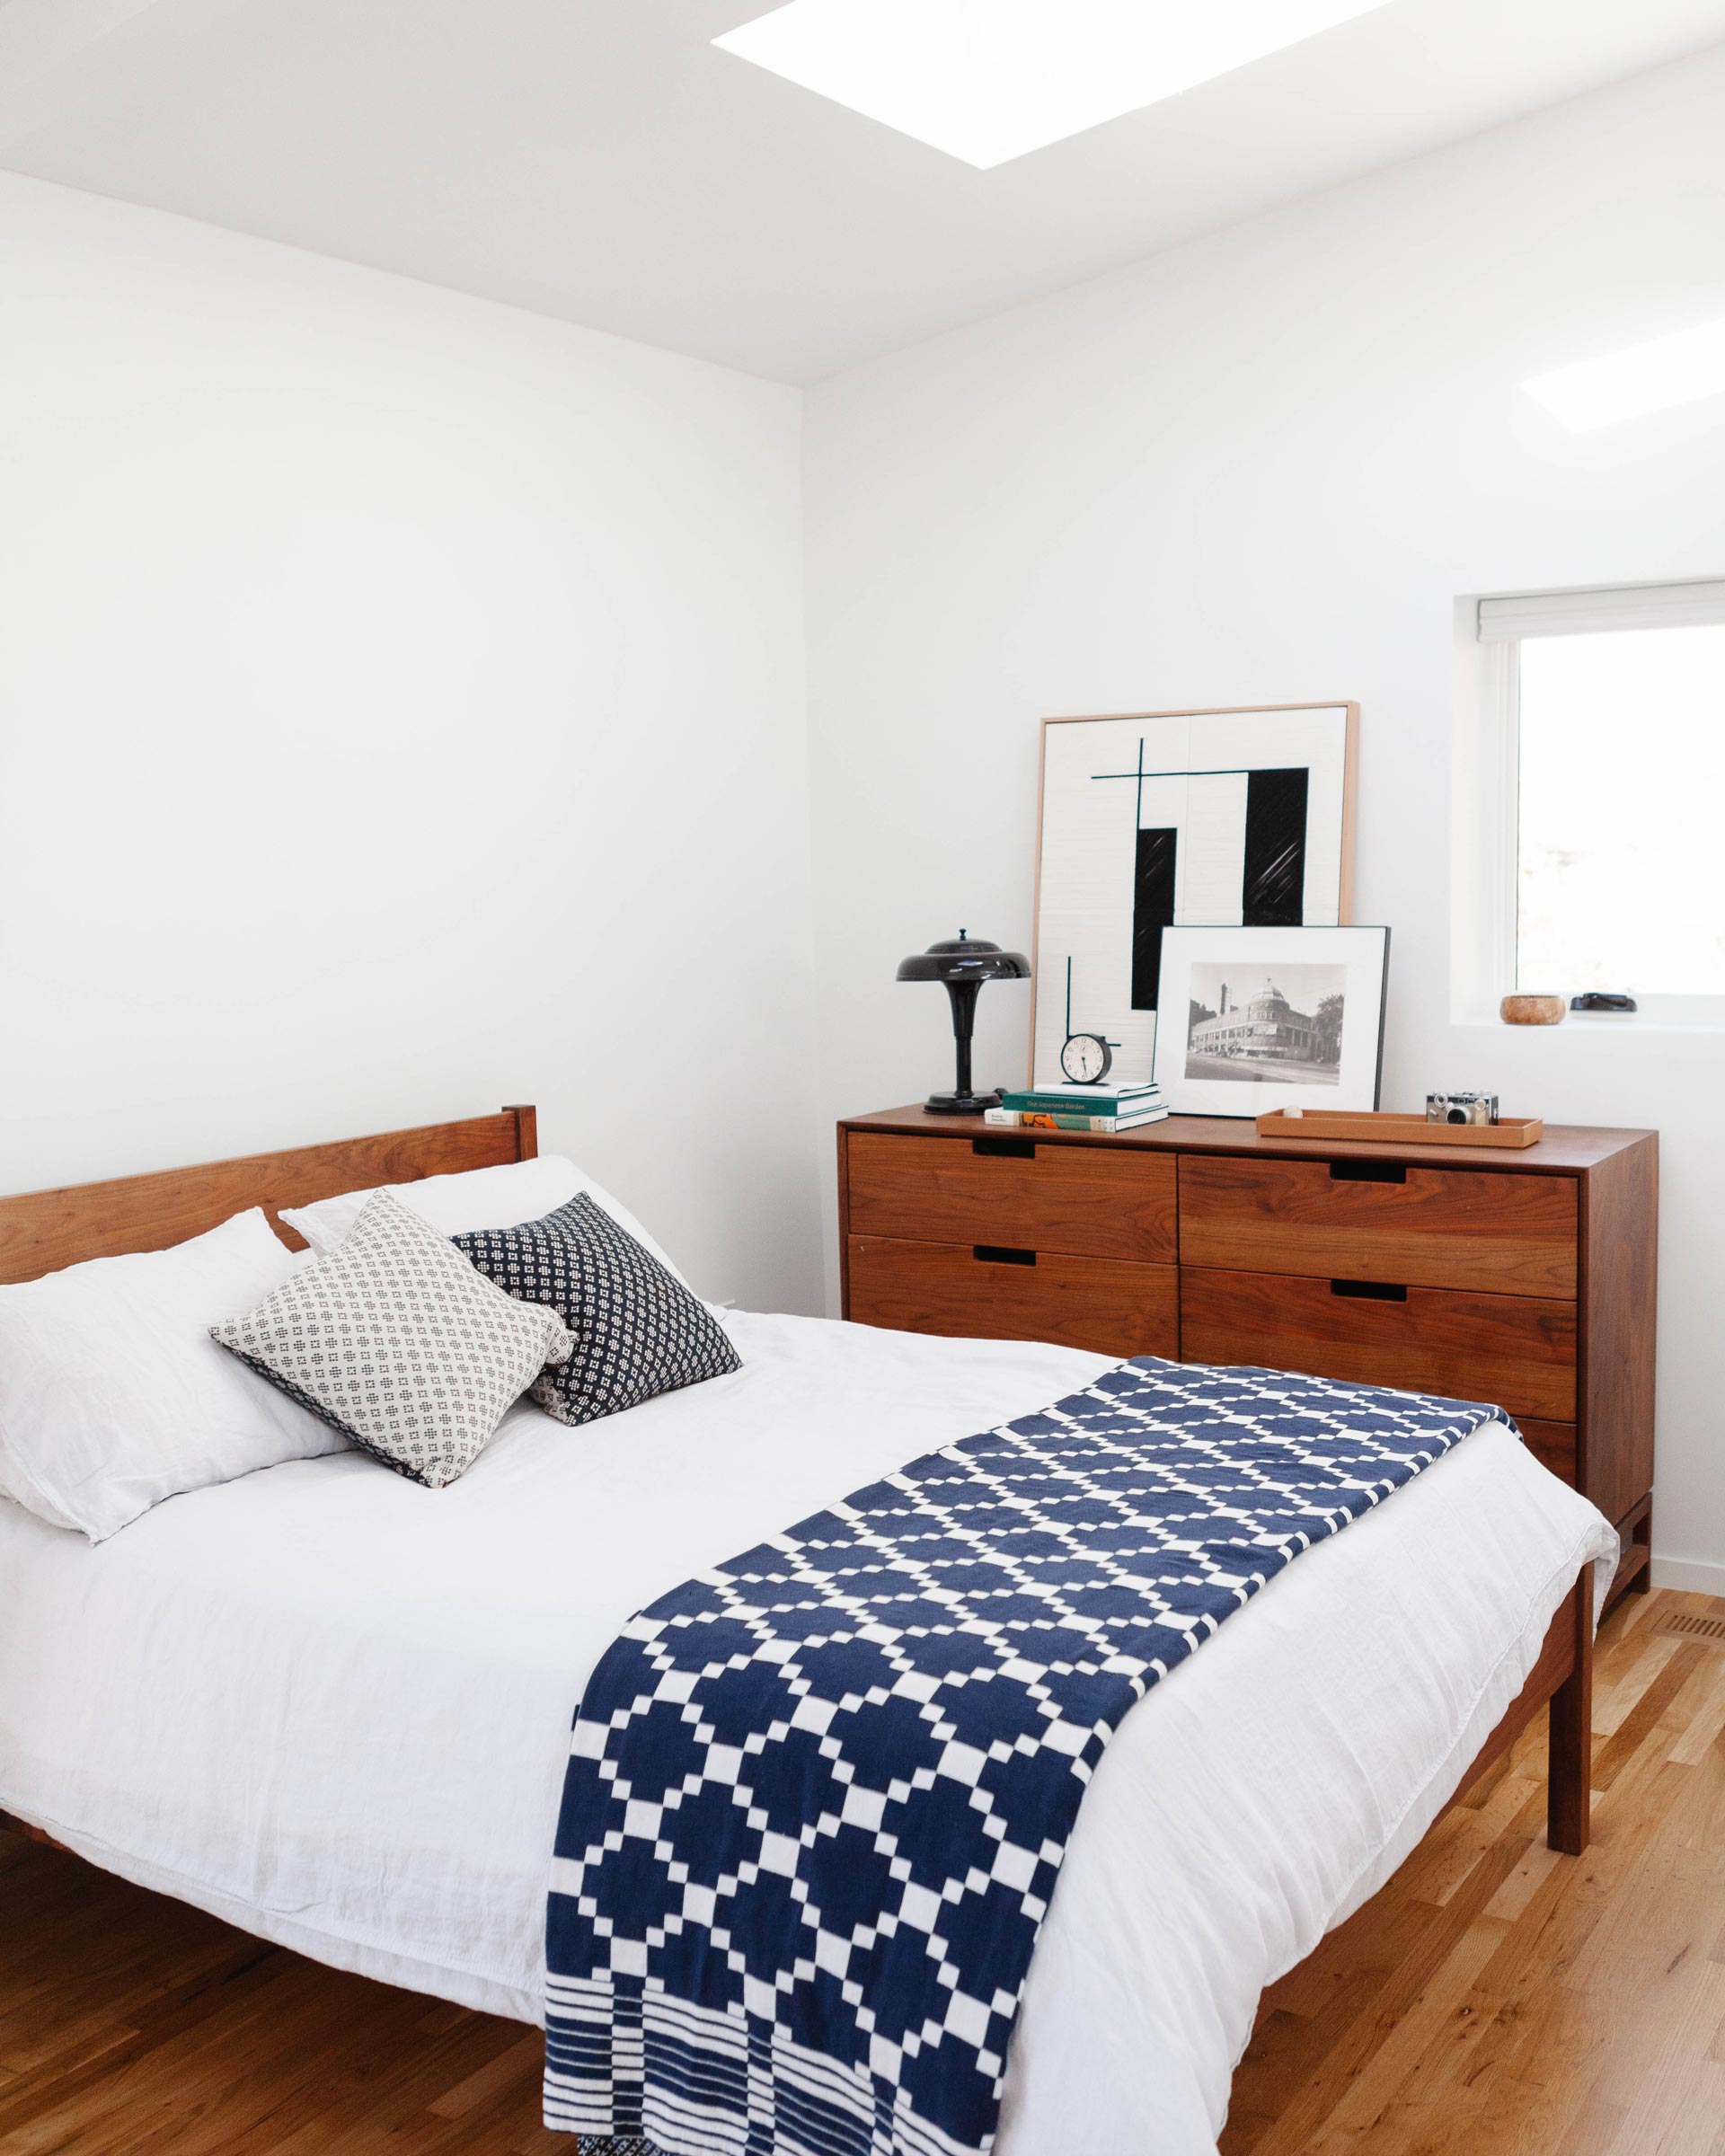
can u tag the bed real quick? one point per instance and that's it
(332, 1707)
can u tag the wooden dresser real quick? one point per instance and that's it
(1525, 1279)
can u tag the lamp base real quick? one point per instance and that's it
(960, 1104)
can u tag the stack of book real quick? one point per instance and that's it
(1093, 1108)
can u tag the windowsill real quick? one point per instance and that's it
(1628, 1023)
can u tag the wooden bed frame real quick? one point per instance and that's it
(44, 1229)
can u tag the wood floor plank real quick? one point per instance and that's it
(1492, 2001)
(1303, 2117)
(1591, 2025)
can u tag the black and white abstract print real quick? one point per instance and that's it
(1206, 818)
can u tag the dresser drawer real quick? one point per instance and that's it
(1105, 1304)
(1428, 1227)
(1089, 1200)
(1513, 1351)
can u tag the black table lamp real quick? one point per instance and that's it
(962, 967)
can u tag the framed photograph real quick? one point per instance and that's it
(1251, 1019)
(1242, 818)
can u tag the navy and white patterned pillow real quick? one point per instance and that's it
(638, 1330)
(398, 1345)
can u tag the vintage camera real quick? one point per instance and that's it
(1461, 1108)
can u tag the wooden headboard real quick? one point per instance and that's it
(43, 1230)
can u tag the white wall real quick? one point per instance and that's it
(401, 713)
(1261, 469)
(401, 697)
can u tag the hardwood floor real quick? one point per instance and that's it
(1496, 1997)
(1493, 1999)
(133, 2025)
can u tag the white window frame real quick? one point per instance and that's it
(1486, 824)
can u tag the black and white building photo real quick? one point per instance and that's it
(1289, 1029)
(1264, 1018)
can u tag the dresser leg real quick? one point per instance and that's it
(1643, 1535)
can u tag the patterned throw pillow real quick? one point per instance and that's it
(396, 1341)
(638, 1330)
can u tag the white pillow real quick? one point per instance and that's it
(112, 1394)
(483, 1197)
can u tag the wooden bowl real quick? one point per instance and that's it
(1532, 1009)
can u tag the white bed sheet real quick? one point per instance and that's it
(332, 1707)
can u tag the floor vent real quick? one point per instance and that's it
(1688, 1627)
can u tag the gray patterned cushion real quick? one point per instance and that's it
(638, 1330)
(396, 1341)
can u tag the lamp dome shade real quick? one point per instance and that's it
(964, 958)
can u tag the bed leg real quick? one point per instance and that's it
(1571, 1735)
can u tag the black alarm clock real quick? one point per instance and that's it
(1086, 1059)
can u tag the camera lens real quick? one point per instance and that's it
(1457, 1115)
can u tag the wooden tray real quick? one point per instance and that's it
(1321, 1124)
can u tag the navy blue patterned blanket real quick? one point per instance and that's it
(818, 1798)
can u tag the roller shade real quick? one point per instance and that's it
(1700, 605)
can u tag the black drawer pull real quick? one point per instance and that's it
(1370, 1290)
(996, 1253)
(1005, 1149)
(1369, 1172)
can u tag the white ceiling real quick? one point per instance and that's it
(597, 160)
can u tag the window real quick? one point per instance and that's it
(1608, 712)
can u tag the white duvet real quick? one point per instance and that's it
(332, 1707)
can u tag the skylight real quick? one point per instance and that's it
(987, 80)
(1680, 369)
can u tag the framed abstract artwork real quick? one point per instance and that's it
(1205, 818)
(1253, 1018)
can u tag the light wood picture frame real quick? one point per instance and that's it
(1225, 815)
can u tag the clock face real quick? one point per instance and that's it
(1086, 1059)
